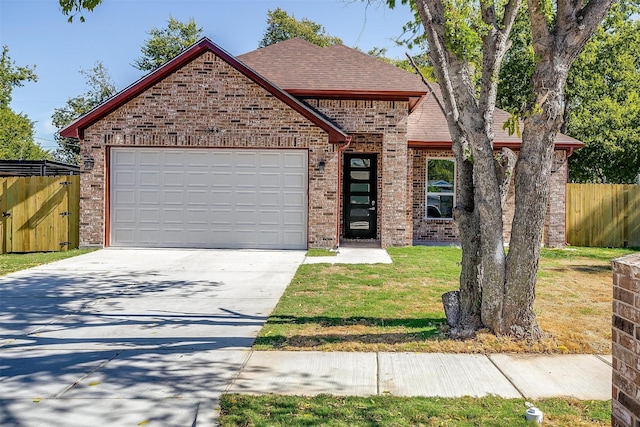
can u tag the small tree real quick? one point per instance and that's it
(167, 43)
(282, 26)
(101, 87)
(16, 130)
(467, 42)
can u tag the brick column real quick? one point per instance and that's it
(555, 222)
(626, 342)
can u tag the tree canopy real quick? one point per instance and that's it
(603, 96)
(73, 8)
(282, 26)
(601, 106)
(166, 43)
(16, 129)
(100, 88)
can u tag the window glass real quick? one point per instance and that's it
(360, 187)
(441, 186)
(360, 175)
(360, 163)
(359, 200)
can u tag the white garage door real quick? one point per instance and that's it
(208, 198)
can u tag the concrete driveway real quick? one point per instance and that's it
(132, 337)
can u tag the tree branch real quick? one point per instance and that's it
(494, 46)
(542, 37)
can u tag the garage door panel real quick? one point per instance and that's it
(149, 197)
(198, 179)
(126, 236)
(294, 180)
(147, 178)
(173, 158)
(291, 199)
(248, 179)
(148, 235)
(271, 160)
(291, 237)
(149, 216)
(270, 198)
(197, 197)
(173, 216)
(172, 197)
(125, 196)
(149, 158)
(173, 178)
(246, 198)
(124, 215)
(270, 217)
(246, 159)
(293, 218)
(124, 178)
(168, 197)
(124, 158)
(269, 180)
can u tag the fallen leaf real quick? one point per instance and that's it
(143, 423)
(37, 400)
(94, 383)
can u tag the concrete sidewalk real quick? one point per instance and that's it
(586, 377)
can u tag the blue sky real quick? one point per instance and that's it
(37, 33)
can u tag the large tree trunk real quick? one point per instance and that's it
(532, 173)
(468, 320)
(497, 291)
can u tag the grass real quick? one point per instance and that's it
(324, 410)
(397, 307)
(321, 252)
(15, 262)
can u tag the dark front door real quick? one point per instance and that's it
(360, 185)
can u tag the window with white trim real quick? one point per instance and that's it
(440, 188)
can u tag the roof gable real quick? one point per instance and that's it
(76, 128)
(304, 69)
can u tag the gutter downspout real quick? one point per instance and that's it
(339, 192)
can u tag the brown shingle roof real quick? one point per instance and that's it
(302, 68)
(427, 127)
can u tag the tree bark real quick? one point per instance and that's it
(497, 291)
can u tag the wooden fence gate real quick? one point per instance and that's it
(603, 215)
(39, 213)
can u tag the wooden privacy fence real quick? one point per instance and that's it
(39, 213)
(603, 215)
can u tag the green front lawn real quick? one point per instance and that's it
(324, 410)
(15, 262)
(397, 307)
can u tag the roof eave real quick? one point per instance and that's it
(356, 94)
(446, 145)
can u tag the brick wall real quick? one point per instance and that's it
(444, 230)
(555, 221)
(626, 342)
(388, 119)
(428, 230)
(208, 103)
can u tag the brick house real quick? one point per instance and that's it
(290, 146)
